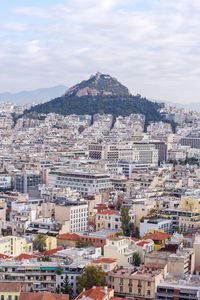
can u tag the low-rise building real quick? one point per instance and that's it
(135, 283)
(120, 249)
(14, 245)
(179, 286)
(147, 225)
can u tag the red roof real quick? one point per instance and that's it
(96, 293)
(53, 251)
(157, 236)
(68, 236)
(4, 256)
(104, 260)
(108, 212)
(23, 256)
(142, 243)
(42, 296)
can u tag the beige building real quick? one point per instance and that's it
(75, 213)
(120, 249)
(142, 208)
(182, 261)
(14, 245)
(3, 207)
(107, 264)
(133, 283)
(10, 291)
(196, 247)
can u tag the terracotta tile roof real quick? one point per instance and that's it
(157, 236)
(53, 251)
(95, 293)
(4, 256)
(42, 296)
(68, 236)
(104, 260)
(24, 256)
(141, 243)
(108, 212)
(10, 287)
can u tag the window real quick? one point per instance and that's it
(2, 297)
(9, 297)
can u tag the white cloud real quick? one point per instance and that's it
(151, 45)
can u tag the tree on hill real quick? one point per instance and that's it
(39, 243)
(91, 276)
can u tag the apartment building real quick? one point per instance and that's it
(74, 213)
(141, 152)
(186, 216)
(191, 140)
(5, 181)
(32, 276)
(135, 283)
(180, 261)
(10, 291)
(179, 286)
(14, 245)
(108, 219)
(86, 183)
(25, 179)
(147, 225)
(120, 249)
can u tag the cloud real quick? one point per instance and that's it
(16, 26)
(150, 45)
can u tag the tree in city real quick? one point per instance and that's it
(136, 259)
(81, 129)
(66, 287)
(82, 244)
(39, 243)
(127, 226)
(137, 232)
(91, 276)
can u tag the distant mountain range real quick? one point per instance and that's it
(191, 106)
(195, 106)
(34, 96)
(101, 94)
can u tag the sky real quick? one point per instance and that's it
(151, 46)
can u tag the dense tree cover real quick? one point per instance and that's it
(115, 105)
(91, 276)
(189, 160)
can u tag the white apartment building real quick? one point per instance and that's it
(155, 224)
(86, 183)
(75, 214)
(121, 249)
(140, 152)
(5, 181)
